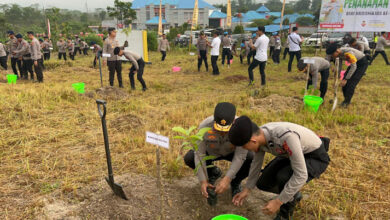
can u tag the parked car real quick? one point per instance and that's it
(335, 38)
(316, 39)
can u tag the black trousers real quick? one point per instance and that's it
(28, 68)
(71, 55)
(46, 56)
(189, 160)
(349, 88)
(226, 52)
(276, 56)
(38, 70)
(113, 66)
(62, 55)
(3, 62)
(253, 65)
(203, 57)
(164, 55)
(279, 171)
(77, 49)
(271, 50)
(14, 62)
(383, 53)
(85, 51)
(252, 55)
(285, 52)
(140, 72)
(323, 84)
(214, 64)
(297, 54)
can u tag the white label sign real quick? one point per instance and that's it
(157, 139)
(106, 55)
(308, 61)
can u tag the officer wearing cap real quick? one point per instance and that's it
(226, 48)
(355, 71)
(36, 56)
(46, 47)
(23, 52)
(300, 156)
(12, 45)
(61, 44)
(97, 50)
(215, 143)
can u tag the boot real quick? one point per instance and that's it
(214, 173)
(287, 210)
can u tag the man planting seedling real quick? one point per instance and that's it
(215, 143)
(320, 65)
(300, 156)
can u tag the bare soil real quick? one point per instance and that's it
(276, 102)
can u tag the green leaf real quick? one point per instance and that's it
(187, 148)
(311, 87)
(190, 130)
(180, 130)
(179, 137)
(210, 166)
(316, 92)
(195, 137)
(202, 131)
(302, 91)
(210, 157)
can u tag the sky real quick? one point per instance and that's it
(76, 4)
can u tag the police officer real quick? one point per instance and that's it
(12, 45)
(23, 52)
(380, 48)
(354, 72)
(251, 53)
(113, 61)
(77, 44)
(36, 56)
(202, 46)
(163, 46)
(320, 65)
(361, 46)
(3, 56)
(61, 44)
(215, 143)
(138, 66)
(97, 50)
(46, 46)
(272, 43)
(300, 156)
(226, 49)
(71, 49)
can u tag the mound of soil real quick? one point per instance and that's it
(236, 78)
(276, 102)
(182, 200)
(126, 122)
(111, 93)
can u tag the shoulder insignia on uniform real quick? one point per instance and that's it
(212, 137)
(211, 132)
(212, 145)
(287, 148)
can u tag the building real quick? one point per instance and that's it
(217, 19)
(174, 12)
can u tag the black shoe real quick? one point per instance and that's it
(344, 105)
(144, 89)
(287, 210)
(236, 188)
(214, 174)
(121, 86)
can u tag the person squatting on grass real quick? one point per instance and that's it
(354, 72)
(203, 48)
(261, 46)
(163, 46)
(216, 143)
(300, 157)
(320, 65)
(138, 66)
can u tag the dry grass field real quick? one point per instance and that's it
(51, 143)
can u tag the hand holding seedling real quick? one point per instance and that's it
(239, 199)
(272, 207)
(223, 185)
(203, 188)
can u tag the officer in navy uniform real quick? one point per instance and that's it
(300, 156)
(215, 143)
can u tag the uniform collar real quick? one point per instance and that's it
(267, 135)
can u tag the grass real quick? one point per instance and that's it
(51, 138)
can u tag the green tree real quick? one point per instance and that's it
(302, 6)
(84, 17)
(122, 11)
(305, 21)
(222, 7)
(315, 5)
(260, 22)
(274, 5)
(239, 29)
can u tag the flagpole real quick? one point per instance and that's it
(194, 22)
(160, 20)
(229, 14)
(281, 20)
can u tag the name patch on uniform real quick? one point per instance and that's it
(106, 55)
(287, 148)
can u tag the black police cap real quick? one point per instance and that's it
(10, 32)
(30, 32)
(117, 50)
(19, 36)
(301, 64)
(224, 114)
(331, 49)
(241, 131)
(111, 29)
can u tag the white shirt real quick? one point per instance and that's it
(294, 39)
(261, 45)
(215, 44)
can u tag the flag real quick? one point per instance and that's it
(229, 14)
(195, 16)
(160, 27)
(48, 29)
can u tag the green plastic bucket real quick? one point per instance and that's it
(229, 217)
(312, 103)
(11, 78)
(79, 87)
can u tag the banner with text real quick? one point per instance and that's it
(354, 16)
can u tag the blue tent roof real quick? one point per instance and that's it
(249, 16)
(184, 4)
(276, 14)
(263, 9)
(269, 28)
(188, 4)
(293, 17)
(217, 14)
(155, 21)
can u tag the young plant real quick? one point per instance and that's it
(191, 141)
(311, 91)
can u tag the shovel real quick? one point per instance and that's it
(336, 84)
(100, 69)
(116, 188)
